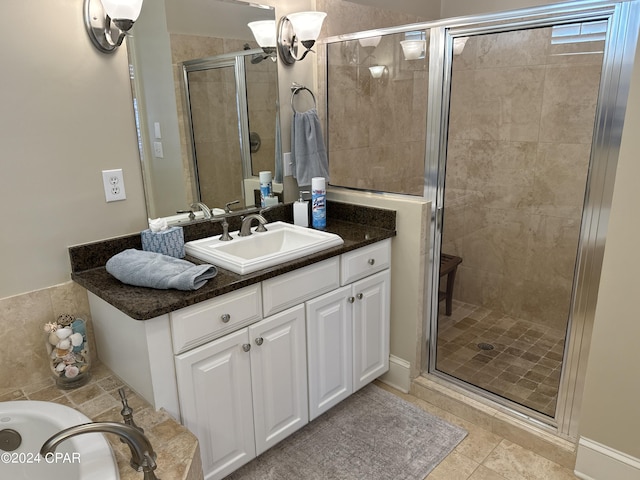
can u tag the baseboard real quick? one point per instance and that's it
(398, 375)
(596, 461)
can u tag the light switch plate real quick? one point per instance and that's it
(113, 182)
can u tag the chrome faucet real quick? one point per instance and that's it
(205, 210)
(143, 458)
(245, 229)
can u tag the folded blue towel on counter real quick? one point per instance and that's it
(154, 270)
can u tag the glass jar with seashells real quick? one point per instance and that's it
(68, 349)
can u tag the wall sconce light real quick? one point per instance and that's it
(264, 31)
(413, 49)
(370, 41)
(380, 73)
(108, 21)
(298, 28)
(458, 44)
(377, 70)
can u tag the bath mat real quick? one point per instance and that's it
(373, 435)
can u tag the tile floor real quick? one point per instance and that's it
(524, 364)
(483, 455)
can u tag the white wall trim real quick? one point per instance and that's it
(596, 461)
(398, 375)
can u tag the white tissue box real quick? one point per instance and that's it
(168, 242)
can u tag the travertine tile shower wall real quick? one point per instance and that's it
(215, 132)
(521, 124)
(262, 94)
(377, 127)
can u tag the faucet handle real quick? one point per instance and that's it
(127, 411)
(192, 215)
(227, 206)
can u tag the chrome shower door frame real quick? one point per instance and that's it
(622, 35)
(236, 61)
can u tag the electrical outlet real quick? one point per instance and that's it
(113, 185)
(157, 150)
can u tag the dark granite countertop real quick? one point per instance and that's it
(357, 225)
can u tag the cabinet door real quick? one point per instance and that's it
(279, 377)
(370, 329)
(329, 350)
(214, 387)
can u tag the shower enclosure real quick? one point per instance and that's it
(230, 118)
(523, 117)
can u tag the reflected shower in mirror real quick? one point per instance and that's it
(173, 32)
(230, 112)
(377, 90)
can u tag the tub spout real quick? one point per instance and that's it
(143, 458)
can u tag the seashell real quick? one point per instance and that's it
(79, 326)
(71, 371)
(69, 358)
(65, 319)
(60, 367)
(64, 344)
(63, 333)
(61, 352)
(50, 327)
(76, 339)
(53, 338)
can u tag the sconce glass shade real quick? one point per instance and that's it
(107, 28)
(264, 32)
(302, 28)
(370, 41)
(377, 70)
(307, 25)
(458, 45)
(123, 9)
(412, 49)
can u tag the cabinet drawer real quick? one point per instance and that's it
(200, 323)
(293, 288)
(365, 261)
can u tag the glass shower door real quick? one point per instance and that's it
(522, 110)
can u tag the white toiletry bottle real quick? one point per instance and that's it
(301, 211)
(265, 187)
(318, 203)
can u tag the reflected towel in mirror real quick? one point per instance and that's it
(308, 152)
(154, 270)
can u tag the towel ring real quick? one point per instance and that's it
(295, 88)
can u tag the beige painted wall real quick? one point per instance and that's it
(612, 392)
(66, 116)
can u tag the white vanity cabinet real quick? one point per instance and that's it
(246, 369)
(244, 392)
(329, 350)
(348, 329)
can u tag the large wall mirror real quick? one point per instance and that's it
(205, 101)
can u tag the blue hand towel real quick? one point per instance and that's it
(308, 153)
(154, 270)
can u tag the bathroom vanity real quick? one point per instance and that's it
(247, 360)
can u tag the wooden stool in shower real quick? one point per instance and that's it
(448, 266)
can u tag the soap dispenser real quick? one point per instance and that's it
(301, 211)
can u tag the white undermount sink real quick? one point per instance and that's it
(282, 242)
